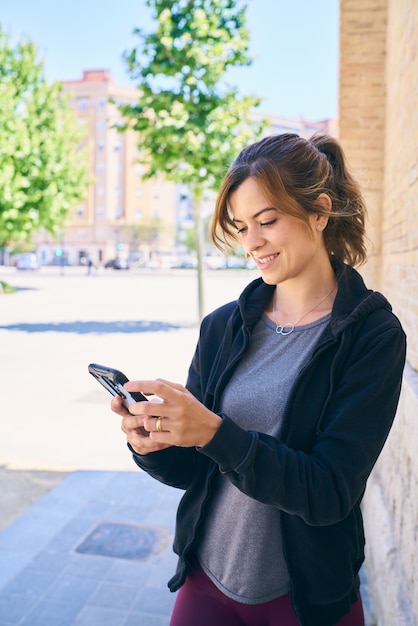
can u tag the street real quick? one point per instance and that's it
(54, 415)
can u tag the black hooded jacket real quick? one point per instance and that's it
(335, 423)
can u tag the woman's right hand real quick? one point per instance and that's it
(132, 426)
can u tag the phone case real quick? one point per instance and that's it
(113, 380)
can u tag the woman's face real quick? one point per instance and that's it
(282, 246)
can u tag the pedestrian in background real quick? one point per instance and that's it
(290, 397)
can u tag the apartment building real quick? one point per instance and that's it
(123, 215)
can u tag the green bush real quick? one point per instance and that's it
(6, 288)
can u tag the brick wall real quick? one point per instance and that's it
(362, 107)
(378, 126)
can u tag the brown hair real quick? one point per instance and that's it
(292, 172)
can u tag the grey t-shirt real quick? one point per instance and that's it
(241, 547)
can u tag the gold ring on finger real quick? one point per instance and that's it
(158, 426)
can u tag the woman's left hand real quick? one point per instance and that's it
(178, 418)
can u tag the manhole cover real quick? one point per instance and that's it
(120, 541)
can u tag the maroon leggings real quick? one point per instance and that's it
(200, 602)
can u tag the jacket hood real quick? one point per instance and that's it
(353, 300)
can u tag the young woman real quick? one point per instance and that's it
(290, 397)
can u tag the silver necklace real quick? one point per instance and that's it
(286, 329)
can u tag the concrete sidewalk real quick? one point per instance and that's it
(94, 550)
(65, 562)
(66, 475)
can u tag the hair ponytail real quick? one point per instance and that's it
(345, 232)
(292, 172)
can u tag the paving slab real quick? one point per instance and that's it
(47, 578)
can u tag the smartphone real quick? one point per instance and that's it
(113, 380)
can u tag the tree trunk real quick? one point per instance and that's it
(198, 225)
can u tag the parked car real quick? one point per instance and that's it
(137, 260)
(236, 262)
(185, 261)
(118, 264)
(214, 262)
(60, 261)
(27, 261)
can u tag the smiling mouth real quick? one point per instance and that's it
(266, 259)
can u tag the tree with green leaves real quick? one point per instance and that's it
(42, 174)
(191, 122)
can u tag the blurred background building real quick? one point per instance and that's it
(125, 217)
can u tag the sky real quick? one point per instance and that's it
(294, 45)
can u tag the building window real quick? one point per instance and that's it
(83, 103)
